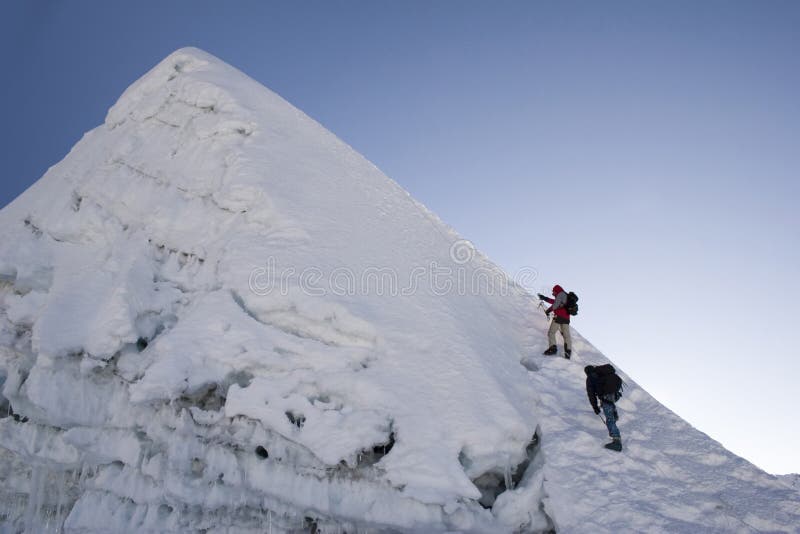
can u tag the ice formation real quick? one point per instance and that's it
(216, 316)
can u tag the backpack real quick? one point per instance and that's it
(572, 303)
(609, 385)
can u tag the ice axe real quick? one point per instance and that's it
(541, 306)
(601, 418)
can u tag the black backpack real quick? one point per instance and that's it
(572, 303)
(609, 384)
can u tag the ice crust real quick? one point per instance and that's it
(150, 383)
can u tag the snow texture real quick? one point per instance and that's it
(178, 352)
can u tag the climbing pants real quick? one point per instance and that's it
(564, 328)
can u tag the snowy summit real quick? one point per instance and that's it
(216, 316)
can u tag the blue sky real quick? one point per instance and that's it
(643, 154)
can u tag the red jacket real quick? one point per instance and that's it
(558, 304)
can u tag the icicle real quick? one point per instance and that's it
(62, 484)
(41, 490)
(34, 499)
(509, 482)
(82, 477)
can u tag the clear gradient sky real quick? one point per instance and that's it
(643, 154)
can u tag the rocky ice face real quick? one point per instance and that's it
(169, 364)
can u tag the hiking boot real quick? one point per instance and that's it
(550, 351)
(567, 352)
(615, 445)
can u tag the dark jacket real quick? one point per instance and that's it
(599, 388)
(558, 305)
(591, 387)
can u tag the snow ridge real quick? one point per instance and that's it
(162, 378)
(216, 316)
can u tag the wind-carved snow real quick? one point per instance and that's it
(177, 354)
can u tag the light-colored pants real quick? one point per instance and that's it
(551, 334)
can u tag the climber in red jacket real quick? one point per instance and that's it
(560, 321)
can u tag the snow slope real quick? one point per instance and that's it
(215, 315)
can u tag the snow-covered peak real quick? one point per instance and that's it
(216, 315)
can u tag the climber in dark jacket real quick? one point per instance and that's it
(597, 388)
(560, 321)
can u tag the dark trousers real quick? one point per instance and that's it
(610, 412)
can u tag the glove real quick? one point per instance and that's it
(547, 313)
(541, 297)
(596, 410)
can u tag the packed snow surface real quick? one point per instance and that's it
(215, 315)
